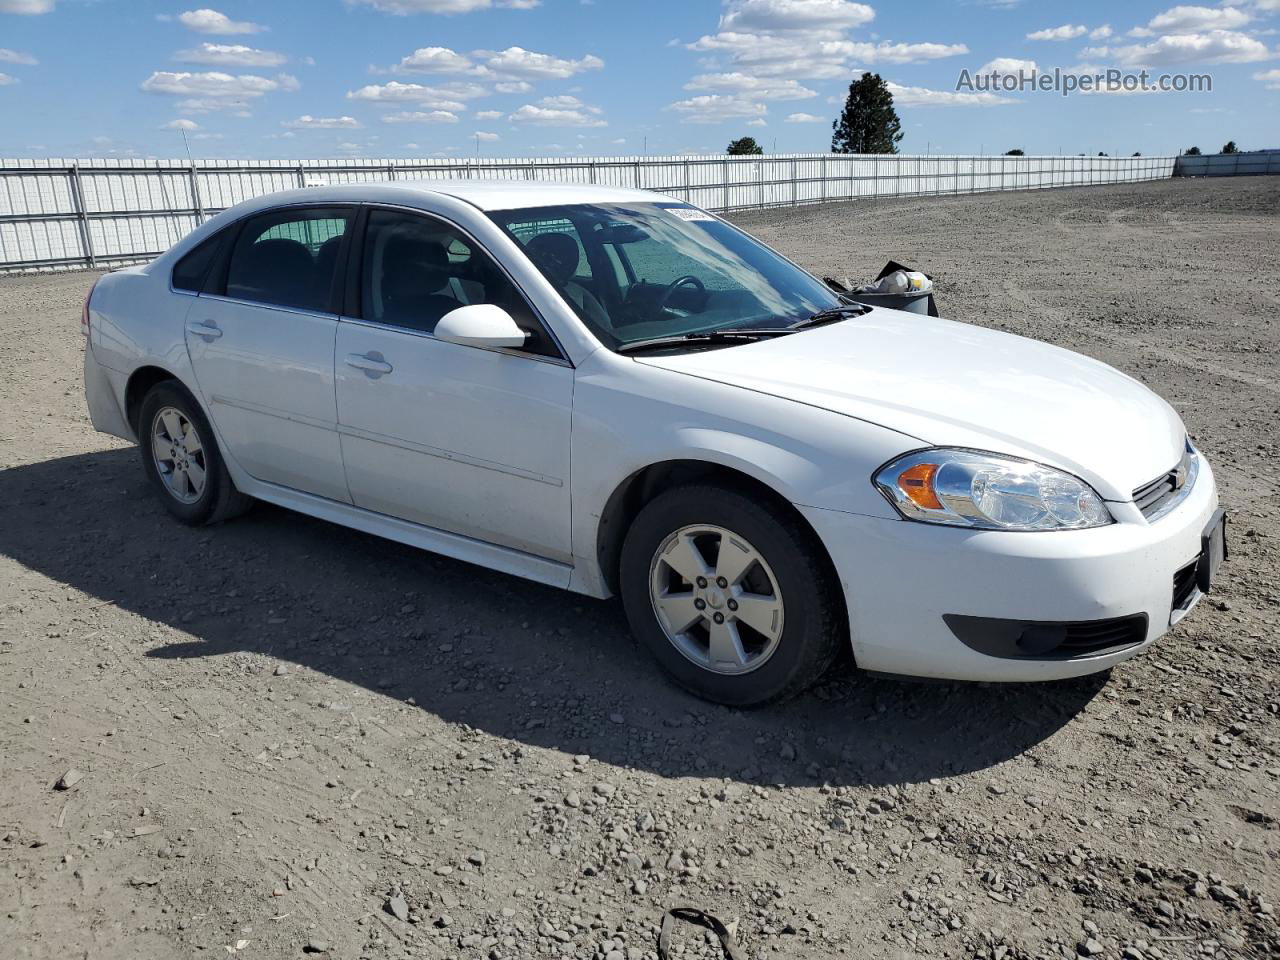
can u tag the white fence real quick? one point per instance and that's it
(1229, 164)
(91, 213)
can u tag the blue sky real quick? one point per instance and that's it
(401, 78)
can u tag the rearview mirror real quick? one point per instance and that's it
(480, 325)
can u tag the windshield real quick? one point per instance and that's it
(639, 271)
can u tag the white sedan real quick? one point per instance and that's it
(615, 392)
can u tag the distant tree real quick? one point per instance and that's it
(1230, 147)
(744, 147)
(868, 123)
(1193, 151)
(1015, 152)
(1103, 154)
(1137, 153)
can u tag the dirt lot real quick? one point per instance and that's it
(295, 738)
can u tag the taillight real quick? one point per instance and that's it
(84, 313)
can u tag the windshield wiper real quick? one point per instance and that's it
(833, 315)
(727, 335)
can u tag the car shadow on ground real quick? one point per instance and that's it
(529, 663)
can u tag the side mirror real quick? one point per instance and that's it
(480, 325)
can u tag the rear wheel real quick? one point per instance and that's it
(735, 600)
(180, 456)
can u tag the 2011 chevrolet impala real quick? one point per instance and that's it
(616, 392)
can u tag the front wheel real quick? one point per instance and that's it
(734, 599)
(181, 458)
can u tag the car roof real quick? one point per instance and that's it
(485, 194)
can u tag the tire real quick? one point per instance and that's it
(168, 409)
(786, 588)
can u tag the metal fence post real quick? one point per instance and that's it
(688, 193)
(824, 177)
(82, 215)
(795, 183)
(302, 176)
(724, 173)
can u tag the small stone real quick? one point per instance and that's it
(996, 789)
(1165, 909)
(639, 887)
(1089, 948)
(68, 779)
(1132, 953)
(617, 718)
(1223, 894)
(316, 946)
(282, 671)
(1143, 875)
(397, 906)
(476, 857)
(444, 921)
(604, 789)
(787, 752)
(574, 799)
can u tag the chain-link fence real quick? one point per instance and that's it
(91, 213)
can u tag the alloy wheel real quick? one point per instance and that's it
(716, 599)
(178, 454)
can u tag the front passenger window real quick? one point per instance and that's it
(416, 269)
(288, 258)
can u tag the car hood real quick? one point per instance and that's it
(949, 383)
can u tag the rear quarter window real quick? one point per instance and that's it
(191, 270)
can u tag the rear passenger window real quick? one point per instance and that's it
(191, 270)
(288, 258)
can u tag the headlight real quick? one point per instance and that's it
(989, 491)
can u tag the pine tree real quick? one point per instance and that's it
(868, 124)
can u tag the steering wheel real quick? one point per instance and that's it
(687, 280)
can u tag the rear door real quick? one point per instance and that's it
(462, 439)
(261, 340)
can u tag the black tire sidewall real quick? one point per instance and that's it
(810, 633)
(171, 394)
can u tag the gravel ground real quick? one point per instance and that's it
(282, 737)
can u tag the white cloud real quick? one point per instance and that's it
(205, 20)
(1007, 66)
(434, 60)
(230, 55)
(804, 118)
(215, 90)
(181, 124)
(795, 15)
(1067, 31)
(308, 122)
(1191, 19)
(1216, 46)
(924, 97)
(558, 112)
(750, 86)
(6, 80)
(26, 6)
(904, 52)
(404, 8)
(18, 57)
(448, 96)
(715, 107)
(513, 86)
(421, 116)
(758, 122)
(486, 137)
(1100, 33)
(489, 115)
(517, 63)
(1270, 77)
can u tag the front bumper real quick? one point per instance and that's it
(901, 578)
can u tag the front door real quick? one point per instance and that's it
(261, 345)
(471, 441)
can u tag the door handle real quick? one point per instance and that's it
(207, 329)
(371, 364)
